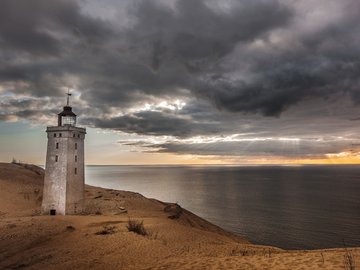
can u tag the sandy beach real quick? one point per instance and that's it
(100, 239)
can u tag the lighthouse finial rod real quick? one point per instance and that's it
(68, 97)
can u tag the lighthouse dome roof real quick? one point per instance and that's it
(67, 112)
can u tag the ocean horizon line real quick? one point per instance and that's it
(228, 165)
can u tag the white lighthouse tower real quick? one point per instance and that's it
(64, 172)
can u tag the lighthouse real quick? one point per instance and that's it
(64, 181)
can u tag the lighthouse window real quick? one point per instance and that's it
(68, 120)
(57, 145)
(75, 145)
(78, 135)
(60, 134)
(75, 158)
(75, 170)
(56, 158)
(54, 134)
(74, 135)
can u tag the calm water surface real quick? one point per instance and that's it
(292, 207)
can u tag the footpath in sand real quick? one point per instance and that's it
(99, 239)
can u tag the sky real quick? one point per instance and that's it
(184, 81)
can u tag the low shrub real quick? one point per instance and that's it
(136, 226)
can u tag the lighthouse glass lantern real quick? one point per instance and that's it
(67, 117)
(68, 120)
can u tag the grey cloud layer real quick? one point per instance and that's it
(250, 149)
(226, 58)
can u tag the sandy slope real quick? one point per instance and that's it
(31, 241)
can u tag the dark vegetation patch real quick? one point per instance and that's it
(137, 227)
(107, 230)
(70, 228)
(173, 210)
(105, 223)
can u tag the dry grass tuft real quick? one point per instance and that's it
(107, 230)
(349, 260)
(137, 227)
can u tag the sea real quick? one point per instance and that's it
(291, 207)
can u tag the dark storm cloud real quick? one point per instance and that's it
(272, 94)
(168, 49)
(31, 26)
(231, 61)
(39, 42)
(153, 123)
(155, 56)
(148, 123)
(192, 31)
(317, 69)
(199, 38)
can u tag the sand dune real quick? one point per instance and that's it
(177, 239)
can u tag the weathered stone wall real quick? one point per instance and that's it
(75, 183)
(63, 187)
